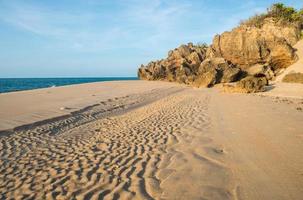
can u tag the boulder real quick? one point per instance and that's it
(231, 74)
(207, 79)
(221, 70)
(252, 84)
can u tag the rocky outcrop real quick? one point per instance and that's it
(255, 53)
(188, 64)
(181, 65)
(269, 45)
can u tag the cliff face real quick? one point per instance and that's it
(189, 64)
(246, 50)
(269, 45)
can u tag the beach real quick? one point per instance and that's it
(149, 140)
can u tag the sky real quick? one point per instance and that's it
(108, 38)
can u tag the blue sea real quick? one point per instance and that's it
(19, 84)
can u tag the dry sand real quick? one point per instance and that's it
(19, 108)
(152, 140)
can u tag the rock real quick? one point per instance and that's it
(290, 32)
(257, 70)
(207, 65)
(144, 73)
(183, 51)
(231, 74)
(207, 73)
(246, 46)
(181, 65)
(259, 51)
(219, 69)
(252, 84)
(207, 79)
(194, 61)
(293, 78)
(155, 71)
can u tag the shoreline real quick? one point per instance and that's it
(105, 79)
(115, 108)
(56, 101)
(29, 106)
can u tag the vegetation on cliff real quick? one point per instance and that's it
(280, 13)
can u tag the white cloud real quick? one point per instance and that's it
(73, 29)
(155, 20)
(149, 25)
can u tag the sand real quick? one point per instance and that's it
(25, 107)
(151, 140)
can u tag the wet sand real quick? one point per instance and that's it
(159, 141)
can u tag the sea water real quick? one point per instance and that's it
(19, 84)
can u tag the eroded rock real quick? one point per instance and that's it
(259, 70)
(181, 65)
(254, 54)
(245, 46)
(252, 84)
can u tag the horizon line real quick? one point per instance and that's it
(72, 77)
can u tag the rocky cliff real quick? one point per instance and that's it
(248, 50)
(189, 64)
(269, 45)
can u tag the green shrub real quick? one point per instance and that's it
(280, 13)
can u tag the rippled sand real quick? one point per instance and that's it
(172, 142)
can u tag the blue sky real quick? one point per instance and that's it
(94, 38)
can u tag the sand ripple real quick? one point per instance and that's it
(156, 151)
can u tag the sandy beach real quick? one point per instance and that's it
(149, 140)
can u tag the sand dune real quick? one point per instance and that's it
(172, 142)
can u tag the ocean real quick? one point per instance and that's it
(19, 84)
